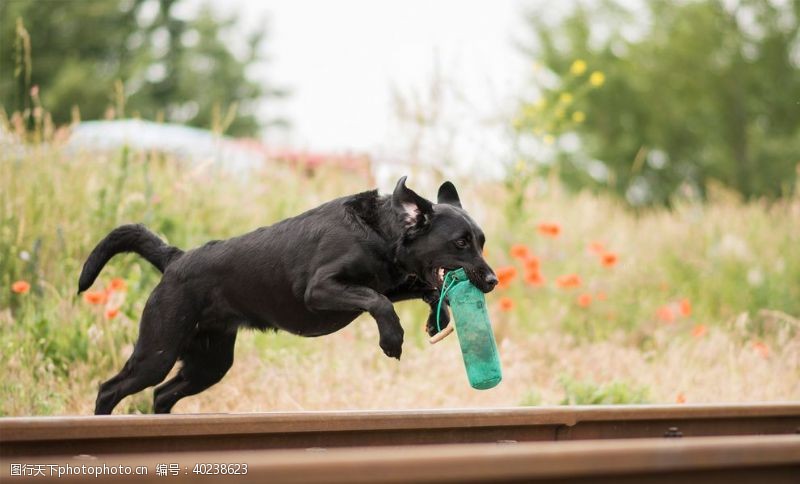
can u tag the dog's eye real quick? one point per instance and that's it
(461, 243)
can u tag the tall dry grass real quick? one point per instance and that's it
(702, 304)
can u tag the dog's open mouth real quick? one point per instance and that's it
(439, 273)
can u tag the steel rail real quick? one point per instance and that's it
(758, 459)
(124, 434)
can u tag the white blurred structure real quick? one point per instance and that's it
(174, 139)
(239, 155)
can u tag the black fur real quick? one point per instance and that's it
(127, 238)
(310, 275)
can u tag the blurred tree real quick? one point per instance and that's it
(171, 67)
(676, 93)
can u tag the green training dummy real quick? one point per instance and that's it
(471, 322)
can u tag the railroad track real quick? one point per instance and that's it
(734, 443)
(43, 436)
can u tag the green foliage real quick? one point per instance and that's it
(128, 58)
(56, 205)
(727, 257)
(577, 392)
(694, 92)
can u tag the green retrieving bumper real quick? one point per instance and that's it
(474, 331)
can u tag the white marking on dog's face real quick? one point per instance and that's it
(412, 212)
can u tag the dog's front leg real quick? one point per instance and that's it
(432, 298)
(326, 293)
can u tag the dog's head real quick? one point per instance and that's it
(441, 237)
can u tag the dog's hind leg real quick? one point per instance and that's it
(167, 321)
(206, 358)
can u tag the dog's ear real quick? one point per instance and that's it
(448, 194)
(415, 210)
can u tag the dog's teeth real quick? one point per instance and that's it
(441, 274)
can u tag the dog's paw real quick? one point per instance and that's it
(444, 320)
(432, 297)
(392, 344)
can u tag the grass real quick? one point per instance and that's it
(701, 306)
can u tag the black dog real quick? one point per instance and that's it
(309, 275)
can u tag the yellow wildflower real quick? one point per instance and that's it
(565, 98)
(579, 116)
(597, 79)
(578, 67)
(549, 139)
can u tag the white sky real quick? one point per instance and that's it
(341, 59)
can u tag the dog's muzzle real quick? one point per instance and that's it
(490, 280)
(483, 280)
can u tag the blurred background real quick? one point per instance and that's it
(634, 165)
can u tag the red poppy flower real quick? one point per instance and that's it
(569, 281)
(118, 284)
(665, 314)
(21, 287)
(534, 278)
(95, 297)
(685, 307)
(609, 259)
(532, 264)
(505, 275)
(699, 330)
(520, 251)
(597, 248)
(761, 348)
(550, 229)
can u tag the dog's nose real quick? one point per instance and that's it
(490, 280)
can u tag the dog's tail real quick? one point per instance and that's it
(127, 238)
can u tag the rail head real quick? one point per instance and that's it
(20, 429)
